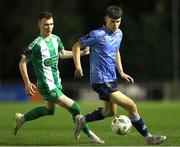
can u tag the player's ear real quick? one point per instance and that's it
(105, 18)
(39, 24)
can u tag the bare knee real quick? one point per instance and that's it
(50, 108)
(110, 113)
(132, 108)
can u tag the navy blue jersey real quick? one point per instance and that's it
(104, 46)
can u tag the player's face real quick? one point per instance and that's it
(46, 26)
(112, 24)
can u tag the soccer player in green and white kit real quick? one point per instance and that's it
(44, 53)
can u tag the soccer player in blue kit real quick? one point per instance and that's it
(105, 57)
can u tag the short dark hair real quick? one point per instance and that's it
(45, 14)
(114, 12)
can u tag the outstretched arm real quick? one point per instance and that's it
(120, 69)
(65, 54)
(76, 49)
(29, 87)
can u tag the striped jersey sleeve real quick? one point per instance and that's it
(27, 54)
(60, 44)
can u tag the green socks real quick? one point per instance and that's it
(43, 111)
(75, 110)
(38, 112)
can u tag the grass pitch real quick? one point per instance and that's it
(160, 117)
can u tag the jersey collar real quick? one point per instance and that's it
(108, 30)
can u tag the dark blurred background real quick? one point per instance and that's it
(150, 46)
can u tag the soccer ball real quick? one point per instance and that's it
(121, 125)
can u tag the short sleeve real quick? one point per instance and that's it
(60, 45)
(27, 54)
(88, 39)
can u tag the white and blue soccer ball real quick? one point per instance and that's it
(121, 125)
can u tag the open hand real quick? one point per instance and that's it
(128, 78)
(30, 89)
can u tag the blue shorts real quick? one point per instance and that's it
(105, 89)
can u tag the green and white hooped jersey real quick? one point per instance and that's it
(44, 56)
